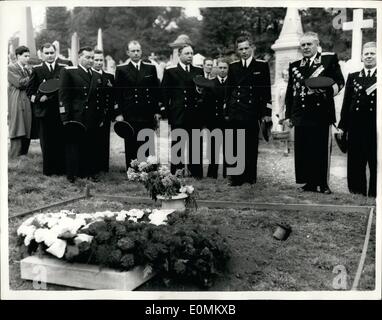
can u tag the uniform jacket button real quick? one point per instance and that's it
(357, 101)
(318, 104)
(371, 109)
(303, 106)
(249, 101)
(238, 100)
(356, 109)
(371, 101)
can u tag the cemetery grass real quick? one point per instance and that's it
(305, 261)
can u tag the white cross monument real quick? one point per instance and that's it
(356, 26)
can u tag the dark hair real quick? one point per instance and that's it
(20, 50)
(184, 46)
(84, 49)
(47, 45)
(98, 51)
(243, 38)
(207, 59)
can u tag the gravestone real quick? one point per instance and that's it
(287, 49)
(99, 40)
(75, 45)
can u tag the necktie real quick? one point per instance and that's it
(136, 67)
(188, 68)
(50, 68)
(369, 73)
(90, 73)
(222, 82)
(245, 64)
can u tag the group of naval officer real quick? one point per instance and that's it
(239, 97)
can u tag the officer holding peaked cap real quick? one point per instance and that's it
(43, 92)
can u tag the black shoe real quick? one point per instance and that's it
(308, 187)
(71, 179)
(325, 190)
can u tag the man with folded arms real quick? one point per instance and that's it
(359, 123)
(312, 112)
(46, 109)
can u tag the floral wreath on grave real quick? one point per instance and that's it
(158, 180)
(173, 245)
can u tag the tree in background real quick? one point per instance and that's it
(57, 28)
(156, 27)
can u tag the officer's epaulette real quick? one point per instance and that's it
(259, 60)
(235, 61)
(70, 67)
(37, 65)
(62, 64)
(327, 53)
(146, 62)
(172, 66)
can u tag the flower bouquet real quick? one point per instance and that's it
(159, 181)
(171, 244)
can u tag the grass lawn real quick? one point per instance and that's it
(319, 240)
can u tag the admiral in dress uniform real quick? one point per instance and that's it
(181, 103)
(46, 111)
(80, 100)
(312, 112)
(214, 104)
(249, 81)
(137, 89)
(108, 101)
(359, 123)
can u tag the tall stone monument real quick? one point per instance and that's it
(75, 46)
(26, 37)
(287, 49)
(99, 40)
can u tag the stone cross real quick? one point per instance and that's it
(356, 26)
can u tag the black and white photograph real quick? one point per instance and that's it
(190, 150)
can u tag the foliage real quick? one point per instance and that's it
(57, 25)
(184, 250)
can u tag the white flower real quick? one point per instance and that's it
(57, 248)
(152, 160)
(50, 237)
(143, 165)
(186, 189)
(136, 213)
(121, 216)
(39, 234)
(25, 230)
(144, 176)
(164, 171)
(159, 217)
(82, 238)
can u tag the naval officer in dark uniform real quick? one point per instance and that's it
(250, 98)
(137, 90)
(312, 112)
(180, 100)
(214, 104)
(80, 97)
(108, 101)
(46, 110)
(359, 123)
